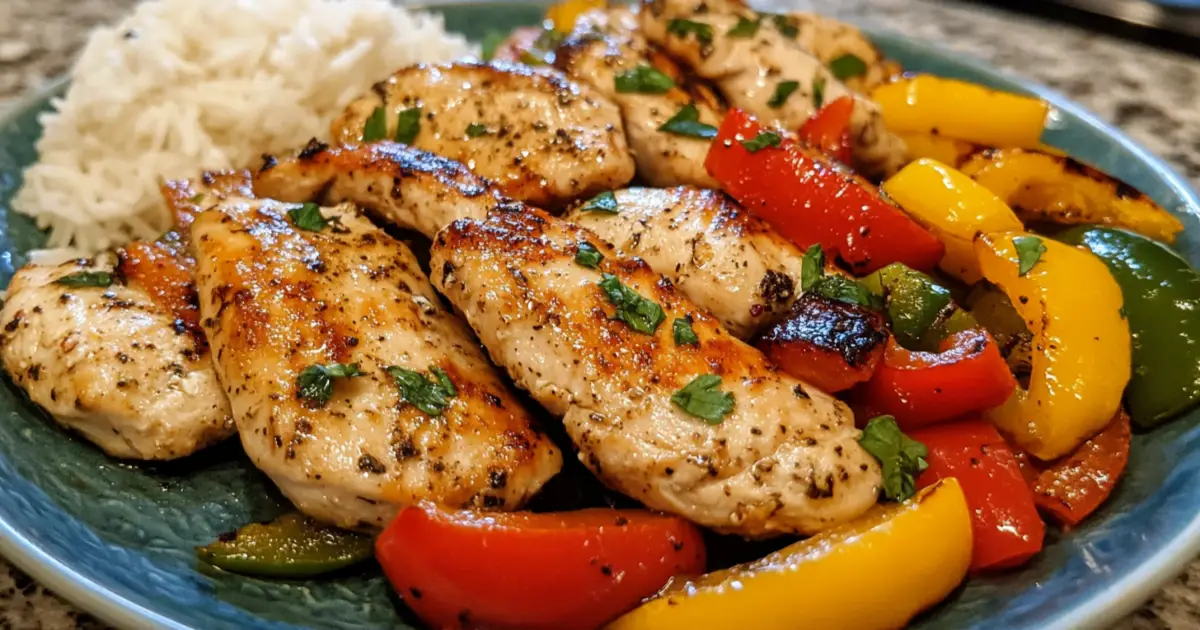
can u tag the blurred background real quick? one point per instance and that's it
(1167, 23)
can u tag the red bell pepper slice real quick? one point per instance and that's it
(828, 130)
(827, 343)
(1071, 488)
(811, 199)
(1004, 520)
(923, 388)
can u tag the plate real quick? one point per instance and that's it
(117, 539)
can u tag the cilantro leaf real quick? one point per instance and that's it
(308, 217)
(588, 256)
(376, 126)
(474, 130)
(443, 381)
(681, 328)
(818, 92)
(408, 124)
(783, 90)
(1029, 252)
(605, 202)
(901, 457)
(686, 122)
(643, 80)
(846, 290)
(430, 396)
(86, 279)
(639, 313)
(785, 24)
(702, 399)
(745, 27)
(315, 383)
(812, 267)
(491, 41)
(681, 29)
(763, 140)
(847, 66)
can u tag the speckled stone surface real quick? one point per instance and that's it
(1150, 94)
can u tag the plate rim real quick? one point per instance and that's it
(1101, 609)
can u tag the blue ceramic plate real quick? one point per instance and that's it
(117, 539)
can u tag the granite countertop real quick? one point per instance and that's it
(1149, 93)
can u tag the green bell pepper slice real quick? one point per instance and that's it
(292, 546)
(922, 312)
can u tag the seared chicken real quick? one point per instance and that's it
(829, 39)
(768, 74)
(111, 362)
(785, 459)
(406, 187)
(608, 43)
(724, 259)
(540, 137)
(426, 416)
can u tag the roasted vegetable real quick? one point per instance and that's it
(876, 572)
(828, 343)
(935, 147)
(1162, 301)
(828, 130)
(291, 546)
(1070, 489)
(993, 310)
(564, 14)
(1060, 190)
(965, 111)
(921, 311)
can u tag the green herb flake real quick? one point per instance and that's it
(763, 140)
(702, 399)
(686, 122)
(783, 90)
(643, 80)
(430, 396)
(846, 290)
(474, 130)
(1029, 252)
(376, 125)
(491, 41)
(308, 217)
(196, 198)
(605, 202)
(785, 24)
(408, 124)
(848, 66)
(588, 256)
(682, 28)
(86, 279)
(639, 313)
(315, 383)
(818, 92)
(812, 267)
(681, 328)
(901, 457)
(745, 27)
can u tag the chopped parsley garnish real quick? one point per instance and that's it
(812, 267)
(643, 80)
(588, 256)
(196, 198)
(763, 140)
(605, 202)
(474, 130)
(315, 383)
(833, 287)
(639, 313)
(681, 29)
(686, 122)
(847, 66)
(86, 279)
(783, 90)
(681, 328)
(376, 125)
(745, 27)
(702, 399)
(491, 41)
(308, 217)
(1029, 252)
(785, 24)
(408, 123)
(430, 396)
(900, 457)
(818, 92)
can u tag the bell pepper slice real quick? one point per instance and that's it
(527, 571)
(1162, 299)
(291, 546)
(876, 572)
(923, 388)
(915, 304)
(1007, 530)
(966, 111)
(810, 199)
(1081, 360)
(564, 14)
(1070, 489)
(828, 130)
(932, 146)
(827, 343)
(954, 208)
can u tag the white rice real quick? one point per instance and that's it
(185, 85)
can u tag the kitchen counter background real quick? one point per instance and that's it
(1149, 93)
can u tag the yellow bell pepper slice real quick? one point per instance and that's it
(954, 208)
(940, 148)
(1081, 347)
(564, 14)
(874, 573)
(966, 111)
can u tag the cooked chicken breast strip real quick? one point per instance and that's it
(724, 259)
(608, 43)
(277, 299)
(749, 71)
(542, 138)
(110, 363)
(786, 459)
(829, 39)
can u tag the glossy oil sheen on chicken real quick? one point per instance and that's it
(729, 262)
(786, 459)
(111, 362)
(540, 137)
(277, 299)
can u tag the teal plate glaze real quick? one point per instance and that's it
(117, 539)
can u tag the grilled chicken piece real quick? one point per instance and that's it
(111, 363)
(724, 259)
(542, 138)
(749, 70)
(407, 187)
(786, 458)
(605, 44)
(829, 39)
(277, 299)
